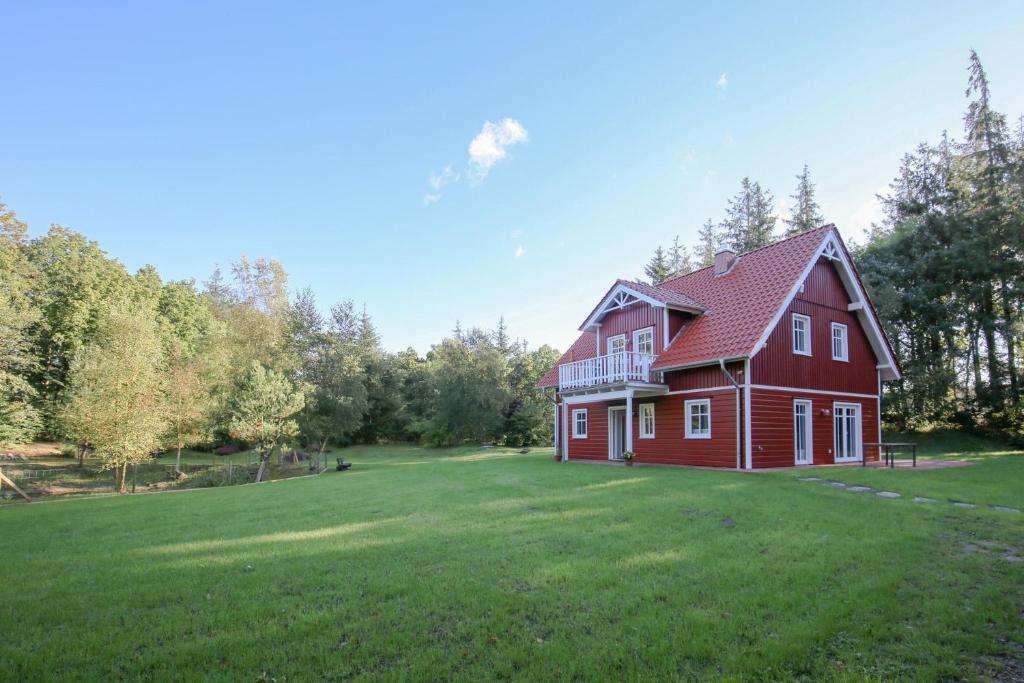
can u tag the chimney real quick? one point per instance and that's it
(724, 261)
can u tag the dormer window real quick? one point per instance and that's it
(801, 334)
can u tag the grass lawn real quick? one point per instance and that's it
(486, 564)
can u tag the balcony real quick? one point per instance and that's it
(614, 368)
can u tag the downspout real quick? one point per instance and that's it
(739, 453)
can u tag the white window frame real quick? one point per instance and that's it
(858, 433)
(845, 351)
(687, 407)
(576, 424)
(808, 432)
(644, 409)
(612, 339)
(806, 319)
(636, 339)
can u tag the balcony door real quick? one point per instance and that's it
(616, 359)
(616, 432)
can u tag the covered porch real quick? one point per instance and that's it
(619, 400)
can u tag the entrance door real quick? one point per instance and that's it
(802, 432)
(846, 427)
(616, 433)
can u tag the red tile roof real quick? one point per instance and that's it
(739, 305)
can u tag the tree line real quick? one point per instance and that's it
(125, 363)
(944, 268)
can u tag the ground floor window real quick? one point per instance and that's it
(802, 431)
(698, 419)
(846, 422)
(646, 420)
(579, 423)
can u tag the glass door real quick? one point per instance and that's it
(846, 421)
(802, 432)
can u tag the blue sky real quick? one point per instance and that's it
(320, 134)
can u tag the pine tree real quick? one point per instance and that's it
(710, 243)
(749, 222)
(806, 214)
(658, 269)
(679, 261)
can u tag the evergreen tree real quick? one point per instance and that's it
(749, 222)
(658, 268)
(806, 214)
(710, 243)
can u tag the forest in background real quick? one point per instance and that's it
(127, 363)
(944, 268)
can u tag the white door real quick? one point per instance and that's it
(616, 433)
(846, 427)
(802, 432)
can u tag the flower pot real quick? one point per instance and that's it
(629, 463)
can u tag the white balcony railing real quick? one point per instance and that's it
(624, 366)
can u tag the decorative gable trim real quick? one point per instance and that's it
(832, 249)
(622, 296)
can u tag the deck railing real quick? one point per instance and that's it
(625, 366)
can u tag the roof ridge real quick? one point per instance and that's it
(777, 242)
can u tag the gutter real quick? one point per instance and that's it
(739, 455)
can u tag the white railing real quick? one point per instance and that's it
(624, 366)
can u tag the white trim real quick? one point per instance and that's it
(565, 430)
(615, 337)
(620, 297)
(575, 426)
(698, 364)
(855, 306)
(748, 437)
(641, 390)
(809, 430)
(806, 320)
(629, 421)
(636, 341)
(640, 413)
(833, 326)
(698, 391)
(611, 432)
(853, 289)
(687, 431)
(858, 432)
(798, 390)
(664, 325)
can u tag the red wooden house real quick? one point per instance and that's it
(771, 358)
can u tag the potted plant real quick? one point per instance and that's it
(628, 457)
(558, 456)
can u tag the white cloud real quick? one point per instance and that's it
(723, 81)
(438, 180)
(431, 198)
(491, 145)
(520, 251)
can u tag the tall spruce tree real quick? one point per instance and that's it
(749, 222)
(658, 269)
(806, 214)
(710, 243)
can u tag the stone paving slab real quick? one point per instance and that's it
(922, 499)
(894, 494)
(965, 506)
(1003, 508)
(888, 494)
(858, 489)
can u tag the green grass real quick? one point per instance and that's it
(485, 564)
(949, 444)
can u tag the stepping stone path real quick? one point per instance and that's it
(893, 494)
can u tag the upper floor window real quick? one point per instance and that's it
(646, 420)
(840, 345)
(616, 344)
(802, 334)
(579, 423)
(698, 418)
(643, 341)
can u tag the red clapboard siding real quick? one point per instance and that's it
(771, 426)
(705, 377)
(628, 320)
(595, 446)
(670, 445)
(825, 300)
